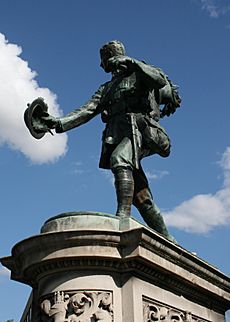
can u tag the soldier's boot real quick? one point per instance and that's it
(124, 185)
(153, 218)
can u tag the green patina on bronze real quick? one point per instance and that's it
(129, 105)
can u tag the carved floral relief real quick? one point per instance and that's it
(81, 306)
(158, 312)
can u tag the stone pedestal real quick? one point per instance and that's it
(93, 267)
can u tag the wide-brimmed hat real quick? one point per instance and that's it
(32, 118)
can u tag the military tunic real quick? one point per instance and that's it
(131, 91)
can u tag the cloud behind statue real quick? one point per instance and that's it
(204, 212)
(18, 87)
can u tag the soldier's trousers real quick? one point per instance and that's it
(132, 188)
(122, 158)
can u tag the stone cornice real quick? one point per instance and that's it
(131, 267)
(136, 251)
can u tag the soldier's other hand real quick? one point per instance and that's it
(120, 62)
(168, 110)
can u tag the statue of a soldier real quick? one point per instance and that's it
(129, 105)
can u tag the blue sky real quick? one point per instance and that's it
(50, 49)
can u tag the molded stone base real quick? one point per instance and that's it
(89, 267)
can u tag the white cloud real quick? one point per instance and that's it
(17, 88)
(215, 8)
(225, 164)
(79, 168)
(156, 174)
(210, 7)
(203, 212)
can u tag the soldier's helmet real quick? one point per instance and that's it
(110, 49)
(114, 47)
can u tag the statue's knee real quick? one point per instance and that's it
(117, 162)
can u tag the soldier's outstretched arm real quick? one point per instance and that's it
(78, 116)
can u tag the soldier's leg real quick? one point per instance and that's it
(143, 201)
(122, 168)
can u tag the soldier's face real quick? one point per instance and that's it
(104, 61)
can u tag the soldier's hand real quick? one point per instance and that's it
(120, 62)
(168, 110)
(49, 120)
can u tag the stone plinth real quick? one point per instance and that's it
(93, 267)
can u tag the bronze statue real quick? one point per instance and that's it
(129, 105)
